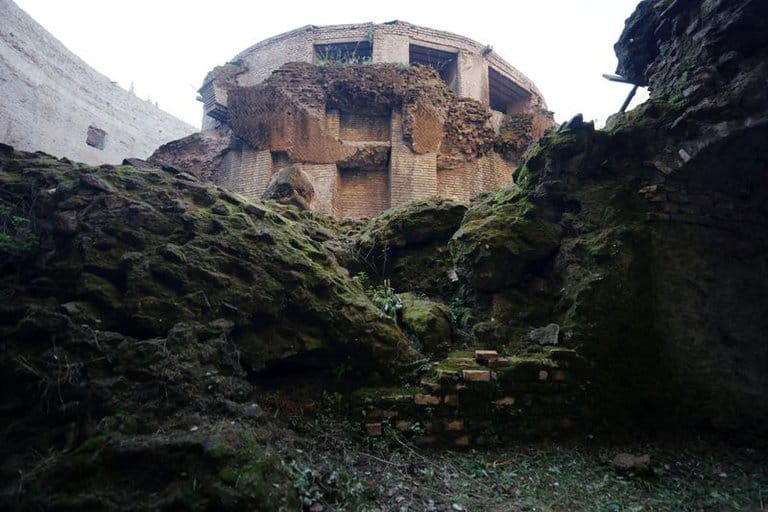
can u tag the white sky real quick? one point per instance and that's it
(165, 47)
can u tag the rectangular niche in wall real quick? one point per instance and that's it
(364, 128)
(96, 137)
(446, 63)
(505, 95)
(354, 52)
(362, 193)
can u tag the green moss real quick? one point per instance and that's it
(408, 246)
(103, 294)
(500, 239)
(428, 321)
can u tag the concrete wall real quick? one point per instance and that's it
(50, 98)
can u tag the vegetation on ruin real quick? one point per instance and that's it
(168, 344)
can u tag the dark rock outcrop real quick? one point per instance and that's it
(139, 308)
(409, 246)
(642, 242)
(290, 186)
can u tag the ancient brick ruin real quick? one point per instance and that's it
(376, 116)
(479, 398)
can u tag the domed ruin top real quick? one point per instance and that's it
(375, 116)
(470, 69)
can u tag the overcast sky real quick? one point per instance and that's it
(165, 47)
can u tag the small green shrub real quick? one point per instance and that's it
(16, 232)
(461, 314)
(382, 295)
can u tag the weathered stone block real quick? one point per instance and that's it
(430, 384)
(501, 362)
(403, 425)
(485, 356)
(476, 375)
(378, 414)
(419, 399)
(452, 400)
(447, 375)
(507, 401)
(461, 441)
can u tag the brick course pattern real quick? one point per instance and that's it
(363, 194)
(468, 401)
(391, 44)
(383, 134)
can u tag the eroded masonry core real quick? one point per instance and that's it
(445, 63)
(374, 116)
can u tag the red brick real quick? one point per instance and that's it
(426, 400)
(476, 375)
(454, 425)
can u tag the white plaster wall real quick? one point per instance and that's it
(49, 97)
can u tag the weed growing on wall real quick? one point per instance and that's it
(16, 232)
(382, 295)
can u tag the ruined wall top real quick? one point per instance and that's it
(469, 68)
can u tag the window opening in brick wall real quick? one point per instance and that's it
(280, 159)
(96, 137)
(445, 63)
(355, 52)
(505, 95)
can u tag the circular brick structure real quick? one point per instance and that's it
(469, 68)
(375, 116)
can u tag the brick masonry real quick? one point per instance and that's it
(363, 128)
(391, 43)
(466, 401)
(487, 173)
(359, 193)
(50, 99)
(364, 193)
(344, 141)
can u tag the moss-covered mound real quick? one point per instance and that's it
(143, 301)
(409, 246)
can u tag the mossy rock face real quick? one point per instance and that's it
(409, 246)
(152, 303)
(586, 241)
(221, 468)
(501, 239)
(429, 322)
(154, 254)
